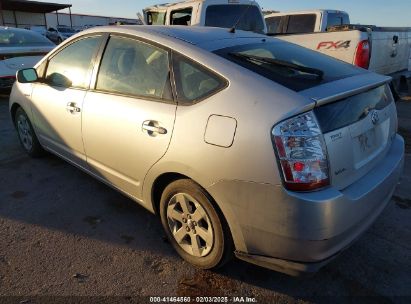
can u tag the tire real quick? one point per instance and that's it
(193, 226)
(26, 134)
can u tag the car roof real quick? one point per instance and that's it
(195, 35)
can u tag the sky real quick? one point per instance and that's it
(372, 12)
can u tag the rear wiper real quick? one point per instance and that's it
(280, 63)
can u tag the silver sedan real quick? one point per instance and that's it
(240, 143)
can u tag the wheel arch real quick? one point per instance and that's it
(13, 110)
(165, 178)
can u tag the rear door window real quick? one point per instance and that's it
(304, 23)
(193, 81)
(156, 18)
(242, 17)
(132, 67)
(181, 16)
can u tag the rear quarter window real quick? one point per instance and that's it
(195, 82)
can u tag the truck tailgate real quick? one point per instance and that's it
(341, 45)
(390, 50)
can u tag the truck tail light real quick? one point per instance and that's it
(301, 153)
(362, 55)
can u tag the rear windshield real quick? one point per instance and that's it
(334, 19)
(272, 24)
(345, 112)
(301, 23)
(21, 38)
(294, 67)
(242, 17)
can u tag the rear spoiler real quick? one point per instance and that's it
(346, 87)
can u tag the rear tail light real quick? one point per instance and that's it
(362, 56)
(301, 153)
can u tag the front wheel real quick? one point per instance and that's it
(194, 227)
(27, 137)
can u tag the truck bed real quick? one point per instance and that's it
(390, 46)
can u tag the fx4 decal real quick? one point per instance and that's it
(328, 45)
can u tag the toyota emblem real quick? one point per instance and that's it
(375, 118)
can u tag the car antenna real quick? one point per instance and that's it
(233, 28)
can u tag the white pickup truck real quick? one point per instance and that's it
(382, 50)
(241, 14)
(385, 50)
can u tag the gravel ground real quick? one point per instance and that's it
(65, 237)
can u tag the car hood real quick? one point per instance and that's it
(9, 67)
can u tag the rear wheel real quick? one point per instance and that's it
(194, 227)
(27, 137)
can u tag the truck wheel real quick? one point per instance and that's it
(193, 226)
(27, 137)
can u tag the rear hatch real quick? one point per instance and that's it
(358, 118)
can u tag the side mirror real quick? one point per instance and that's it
(27, 76)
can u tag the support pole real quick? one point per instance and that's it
(71, 20)
(15, 18)
(2, 15)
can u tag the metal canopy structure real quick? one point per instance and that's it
(27, 6)
(32, 6)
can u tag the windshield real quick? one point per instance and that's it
(242, 17)
(292, 66)
(21, 38)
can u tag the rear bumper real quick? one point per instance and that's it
(302, 232)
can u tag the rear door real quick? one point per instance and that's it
(129, 114)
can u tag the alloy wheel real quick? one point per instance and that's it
(25, 134)
(190, 225)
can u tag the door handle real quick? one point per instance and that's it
(153, 128)
(72, 108)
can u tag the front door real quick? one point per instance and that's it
(57, 101)
(128, 118)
